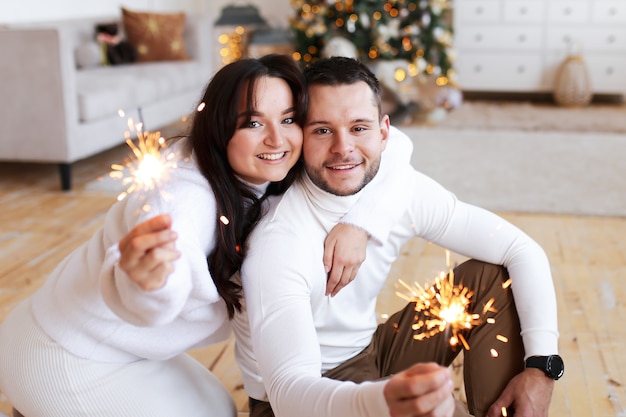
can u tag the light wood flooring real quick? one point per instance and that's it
(39, 225)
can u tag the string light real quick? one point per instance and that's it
(382, 29)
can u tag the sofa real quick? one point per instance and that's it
(57, 109)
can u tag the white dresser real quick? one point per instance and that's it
(518, 45)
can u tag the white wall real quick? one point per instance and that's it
(276, 12)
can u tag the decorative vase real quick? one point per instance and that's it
(339, 46)
(572, 85)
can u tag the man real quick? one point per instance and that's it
(325, 356)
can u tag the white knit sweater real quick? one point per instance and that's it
(91, 307)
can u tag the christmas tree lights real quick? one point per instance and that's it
(416, 31)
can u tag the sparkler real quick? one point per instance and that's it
(149, 167)
(444, 306)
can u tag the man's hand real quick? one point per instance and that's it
(148, 251)
(344, 252)
(529, 393)
(423, 390)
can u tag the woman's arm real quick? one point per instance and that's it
(126, 281)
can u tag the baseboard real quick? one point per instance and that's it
(535, 97)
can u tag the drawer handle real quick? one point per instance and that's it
(610, 39)
(523, 11)
(479, 10)
(567, 11)
(522, 38)
(478, 37)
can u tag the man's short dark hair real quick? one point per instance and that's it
(338, 70)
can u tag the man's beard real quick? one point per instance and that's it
(316, 175)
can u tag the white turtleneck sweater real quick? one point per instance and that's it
(297, 333)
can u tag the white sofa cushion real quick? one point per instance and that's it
(88, 55)
(102, 91)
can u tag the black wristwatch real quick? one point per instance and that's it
(552, 365)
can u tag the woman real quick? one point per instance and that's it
(107, 333)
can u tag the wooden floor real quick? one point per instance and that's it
(39, 225)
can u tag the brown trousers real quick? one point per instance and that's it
(393, 347)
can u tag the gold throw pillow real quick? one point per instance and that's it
(155, 36)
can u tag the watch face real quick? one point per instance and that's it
(555, 367)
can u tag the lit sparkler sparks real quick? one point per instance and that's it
(150, 165)
(444, 306)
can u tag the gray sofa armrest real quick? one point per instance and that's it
(40, 80)
(37, 81)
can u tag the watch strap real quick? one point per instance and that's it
(551, 365)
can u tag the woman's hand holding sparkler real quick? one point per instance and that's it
(423, 390)
(148, 252)
(528, 393)
(344, 252)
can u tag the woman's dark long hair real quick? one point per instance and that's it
(211, 130)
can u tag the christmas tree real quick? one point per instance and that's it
(416, 31)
